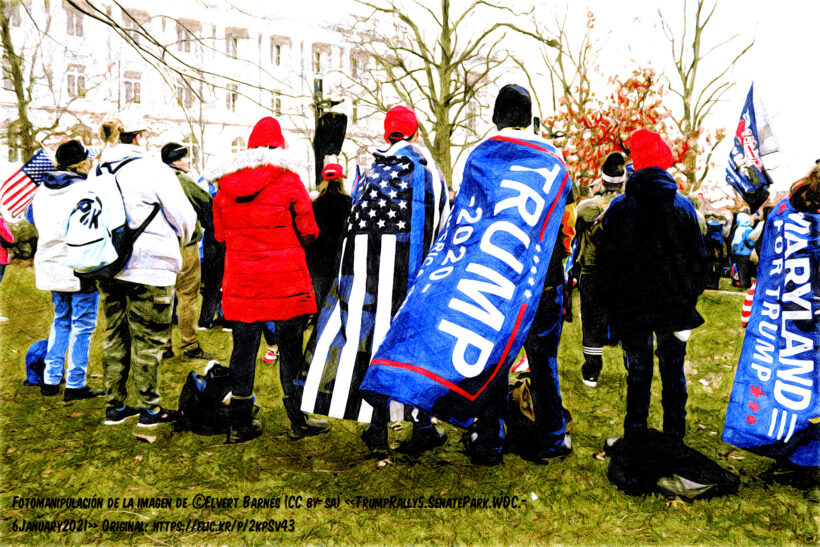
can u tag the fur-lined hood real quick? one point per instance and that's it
(262, 160)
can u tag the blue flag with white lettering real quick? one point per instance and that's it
(471, 305)
(774, 409)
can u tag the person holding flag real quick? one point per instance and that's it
(397, 210)
(478, 297)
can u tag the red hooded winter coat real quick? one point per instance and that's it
(263, 213)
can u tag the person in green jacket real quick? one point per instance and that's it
(187, 287)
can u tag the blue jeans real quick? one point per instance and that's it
(75, 318)
(640, 364)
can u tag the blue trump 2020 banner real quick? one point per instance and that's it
(470, 308)
(774, 409)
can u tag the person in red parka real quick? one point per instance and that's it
(263, 213)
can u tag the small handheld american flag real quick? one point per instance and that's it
(18, 190)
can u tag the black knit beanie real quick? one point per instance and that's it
(513, 107)
(69, 153)
(172, 152)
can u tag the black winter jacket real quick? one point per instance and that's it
(652, 258)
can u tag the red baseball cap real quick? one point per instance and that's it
(400, 120)
(333, 171)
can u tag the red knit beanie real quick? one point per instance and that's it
(266, 132)
(648, 149)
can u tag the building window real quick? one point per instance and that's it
(238, 145)
(276, 102)
(192, 145)
(74, 21)
(75, 78)
(231, 97)
(131, 82)
(232, 46)
(184, 95)
(276, 54)
(132, 28)
(13, 14)
(317, 62)
(184, 38)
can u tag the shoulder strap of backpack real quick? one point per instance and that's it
(136, 232)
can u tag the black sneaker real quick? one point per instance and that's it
(589, 376)
(423, 439)
(153, 419)
(376, 439)
(197, 354)
(480, 455)
(310, 429)
(114, 416)
(48, 390)
(84, 392)
(556, 454)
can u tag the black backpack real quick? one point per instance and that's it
(651, 462)
(203, 407)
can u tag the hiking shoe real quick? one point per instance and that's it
(158, 417)
(85, 392)
(241, 435)
(556, 454)
(375, 438)
(114, 416)
(167, 354)
(589, 376)
(197, 353)
(271, 355)
(310, 429)
(480, 455)
(48, 390)
(423, 439)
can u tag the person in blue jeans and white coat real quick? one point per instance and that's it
(75, 302)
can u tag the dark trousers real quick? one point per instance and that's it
(541, 346)
(641, 363)
(743, 271)
(246, 338)
(213, 265)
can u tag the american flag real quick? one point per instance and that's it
(18, 190)
(395, 218)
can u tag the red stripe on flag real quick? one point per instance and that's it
(447, 383)
(19, 190)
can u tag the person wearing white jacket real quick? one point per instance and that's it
(138, 302)
(75, 302)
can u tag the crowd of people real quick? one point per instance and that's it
(276, 261)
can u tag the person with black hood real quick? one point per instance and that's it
(653, 259)
(75, 301)
(188, 279)
(594, 321)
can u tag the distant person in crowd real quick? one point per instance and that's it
(330, 209)
(594, 320)
(213, 266)
(804, 194)
(652, 259)
(188, 280)
(512, 114)
(742, 246)
(263, 214)
(398, 211)
(6, 239)
(715, 250)
(137, 302)
(75, 302)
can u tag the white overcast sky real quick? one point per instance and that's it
(782, 63)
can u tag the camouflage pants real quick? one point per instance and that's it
(137, 324)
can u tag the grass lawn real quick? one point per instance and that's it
(52, 449)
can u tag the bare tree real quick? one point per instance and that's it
(697, 99)
(431, 58)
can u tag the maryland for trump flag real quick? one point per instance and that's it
(472, 304)
(774, 409)
(753, 139)
(18, 190)
(397, 210)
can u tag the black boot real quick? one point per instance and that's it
(243, 426)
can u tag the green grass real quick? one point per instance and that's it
(50, 449)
